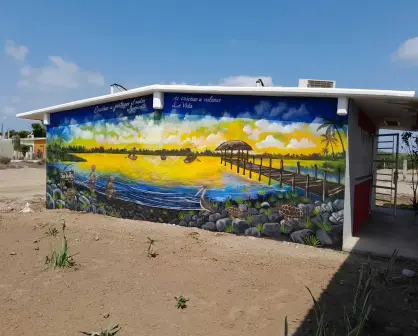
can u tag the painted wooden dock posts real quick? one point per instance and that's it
(236, 154)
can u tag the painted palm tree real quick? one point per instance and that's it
(333, 126)
(329, 140)
(325, 151)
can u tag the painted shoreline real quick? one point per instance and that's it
(262, 220)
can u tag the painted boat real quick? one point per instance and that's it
(189, 159)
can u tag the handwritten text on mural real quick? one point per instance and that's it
(129, 107)
(188, 101)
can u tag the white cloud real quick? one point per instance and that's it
(253, 133)
(58, 74)
(270, 142)
(18, 52)
(82, 134)
(244, 80)
(408, 51)
(302, 143)
(25, 71)
(295, 113)
(276, 127)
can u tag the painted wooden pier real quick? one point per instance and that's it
(309, 184)
(235, 154)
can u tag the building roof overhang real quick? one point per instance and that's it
(365, 97)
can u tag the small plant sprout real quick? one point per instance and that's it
(316, 211)
(239, 200)
(261, 192)
(268, 212)
(229, 229)
(284, 229)
(228, 203)
(109, 331)
(60, 258)
(312, 240)
(181, 302)
(257, 205)
(215, 205)
(151, 252)
(52, 232)
(181, 215)
(248, 204)
(260, 228)
(307, 222)
(325, 225)
(250, 219)
(191, 213)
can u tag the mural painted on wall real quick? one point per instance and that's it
(260, 166)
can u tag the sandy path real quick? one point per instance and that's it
(22, 183)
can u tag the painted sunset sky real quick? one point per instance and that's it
(267, 124)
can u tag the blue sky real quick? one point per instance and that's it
(53, 52)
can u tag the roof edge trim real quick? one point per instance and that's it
(267, 91)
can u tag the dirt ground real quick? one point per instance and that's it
(235, 285)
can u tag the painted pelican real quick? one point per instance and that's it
(204, 203)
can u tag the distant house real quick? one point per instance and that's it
(37, 147)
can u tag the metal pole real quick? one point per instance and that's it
(293, 182)
(259, 174)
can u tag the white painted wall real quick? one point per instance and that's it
(6, 148)
(358, 164)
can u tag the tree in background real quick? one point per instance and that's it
(38, 130)
(24, 149)
(23, 134)
(410, 144)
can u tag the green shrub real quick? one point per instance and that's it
(285, 229)
(260, 228)
(250, 219)
(307, 224)
(312, 240)
(60, 258)
(268, 212)
(325, 225)
(229, 229)
(181, 302)
(4, 160)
